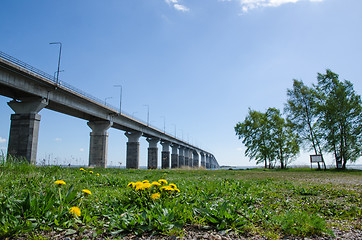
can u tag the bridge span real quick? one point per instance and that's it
(32, 90)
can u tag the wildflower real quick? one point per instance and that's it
(147, 185)
(157, 184)
(177, 190)
(87, 191)
(82, 169)
(59, 182)
(167, 188)
(145, 181)
(75, 211)
(172, 185)
(139, 187)
(162, 181)
(97, 174)
(91, 172)
(155, 196)
(131, 185)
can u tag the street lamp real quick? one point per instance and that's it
(164, 124)
(105, 100)
(148, 114)
(56, 72)
(120, 98)
(60, 53)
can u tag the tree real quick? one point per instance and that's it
(268, 137)
(302, 111)
(340, 111)
(284, 141)
(255, 136)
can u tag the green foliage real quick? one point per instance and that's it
(340, 111)
(267, 137)
(244, 202)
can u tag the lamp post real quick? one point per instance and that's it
(175, 130)
(120, 98)
(164, 124)
(148, 114)
(105, 100)
(60, 53)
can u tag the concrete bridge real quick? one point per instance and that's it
(32, 90)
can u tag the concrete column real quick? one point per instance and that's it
(165, 162)
(203, 165)
(152, 152)
(186, 157)
(98, 147)
(174, 156)
(207, 161)
(191, 163)
(24, 128)
(181, 157)
(195, 158)
(133, 149)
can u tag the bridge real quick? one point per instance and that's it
(31, 90)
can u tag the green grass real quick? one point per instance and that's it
(272, 203)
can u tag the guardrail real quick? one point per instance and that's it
(64, 84)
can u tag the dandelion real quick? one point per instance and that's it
(157, 184)
(131, 185)
(97, 174)
(91, 172)
(147, 185)
(167, 189)
(59, 182)
(145, 181)
(155, 196)
(75, 211)
(140, 187)
(87, 191)
(162, 181)
(172, 185)
(82, 169)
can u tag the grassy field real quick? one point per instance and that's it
(111, 203)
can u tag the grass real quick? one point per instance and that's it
(269, 203)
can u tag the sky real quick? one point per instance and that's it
(198, 64)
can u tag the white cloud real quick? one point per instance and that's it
(81, 149)
(2, 140)
(247, 5)
(181, 8)
(58, 139)
(177, 6)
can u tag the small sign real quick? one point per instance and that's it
(316, 158)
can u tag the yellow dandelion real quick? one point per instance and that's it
(59, 182)
(147, 185)
(140, 187)
(157, 184)
(162, 181)
(167, 188)
(75, 211)
(91, 172)
(97, 174)
(82, 169)
(177, 190)
(145, 181)
(131, 185)
(87, 191)
(172, 185)
(155, 196)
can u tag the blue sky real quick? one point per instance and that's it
(198, 64)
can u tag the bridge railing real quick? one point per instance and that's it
(49, 77)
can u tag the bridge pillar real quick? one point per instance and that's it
(190, 158)
(98, 147)
(195, 158)
(181, 157)
(174, 156)
(186, 157)
(133, 149)
(24, 128)
(207, 161)
(202, 160)
(165, 154)
(152, 152)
